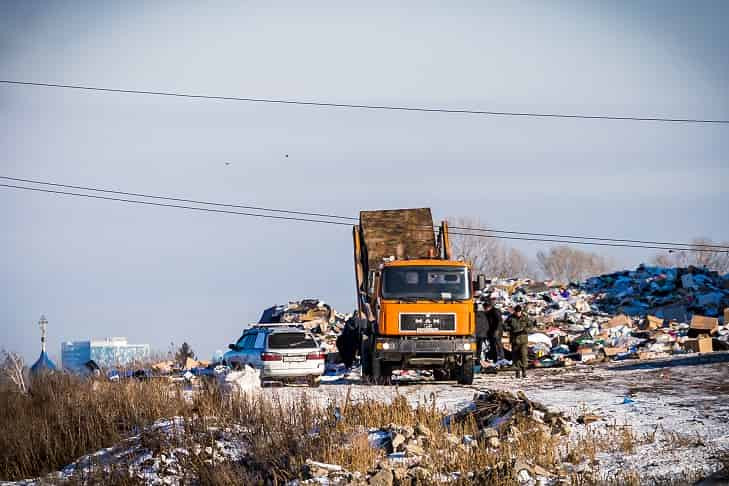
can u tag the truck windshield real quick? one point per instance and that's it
(434, 283)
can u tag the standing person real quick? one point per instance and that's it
(518, 326)
(495, 331)
(482, 329)
(348, 343)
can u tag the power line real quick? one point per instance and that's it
(349, 218)
(340, 223)
(568, 242)
(324, 104)
(594, 238)
(167, 198)
(150, 203)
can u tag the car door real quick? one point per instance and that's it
(258, 345)
(245, 348)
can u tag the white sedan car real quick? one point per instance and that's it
(279, 352)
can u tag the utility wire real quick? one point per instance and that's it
(149, 203)
(324, 104)
(349, 218)
(593, 238)
(166, 198)
(341, 223)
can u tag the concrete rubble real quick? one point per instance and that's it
(409, 451)
(646, 313)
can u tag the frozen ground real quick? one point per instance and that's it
(678, 409)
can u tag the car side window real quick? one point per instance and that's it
(248, 341)
(260, 339)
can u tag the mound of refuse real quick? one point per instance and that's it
(668, 293)
(497, 412)
(314, 315)
(649, 312)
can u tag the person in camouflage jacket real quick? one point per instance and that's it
(519, 326)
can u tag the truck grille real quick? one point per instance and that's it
(426, 323)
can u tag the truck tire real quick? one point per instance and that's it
(442, 374)
(366, 357)
(465, 377)
(381, 372)
(376, 370)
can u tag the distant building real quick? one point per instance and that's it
(44, 363)
(108, 353)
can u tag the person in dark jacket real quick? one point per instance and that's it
(495, 331)
(482, 328)
(519, 326)
(348, 342)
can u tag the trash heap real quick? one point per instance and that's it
(649, 312)
(314, 315)
(668, 293)
(503, 421)
(497, 413)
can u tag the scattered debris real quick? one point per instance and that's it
(647, 313)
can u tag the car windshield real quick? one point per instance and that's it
(291, 340)
(433, 283)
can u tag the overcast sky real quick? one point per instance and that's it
(158, 275)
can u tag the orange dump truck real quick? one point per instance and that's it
(414, 302)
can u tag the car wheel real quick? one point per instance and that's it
(313, 382)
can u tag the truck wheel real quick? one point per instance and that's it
(466, 373)
(376, 371)
(366, 358)
(441, 374)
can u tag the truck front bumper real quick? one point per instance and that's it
(424, 346)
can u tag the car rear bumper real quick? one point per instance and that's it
(273, 371)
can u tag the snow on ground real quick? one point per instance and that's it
(678, 408)
(161, 467)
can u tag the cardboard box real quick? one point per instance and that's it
(700, 345)
(652, 355)
(702, 324)
(726, 316)
(653, 322)
(610, 352)
(619, 320)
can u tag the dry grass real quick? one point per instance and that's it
(64, 418)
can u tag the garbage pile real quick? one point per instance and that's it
(497, 413)
(668, 293)
(649, 312)
(504, 422)
(314, 315)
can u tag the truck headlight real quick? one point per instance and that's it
(383, 346)
(469, 346)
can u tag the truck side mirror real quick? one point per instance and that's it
(233, 347)
(480, 281)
